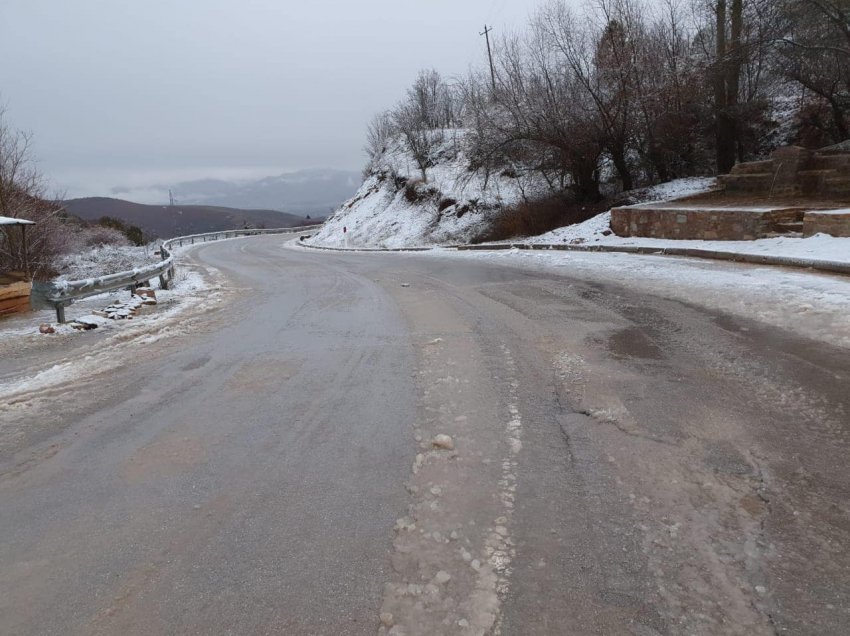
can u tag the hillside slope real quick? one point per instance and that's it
(165, 221)
(395, 208)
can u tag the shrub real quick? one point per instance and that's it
(132, 233)
(537, 217)
(445, 203)
(416, 191)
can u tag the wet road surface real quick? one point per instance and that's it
(621, 464)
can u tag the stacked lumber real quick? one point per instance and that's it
(14, 293)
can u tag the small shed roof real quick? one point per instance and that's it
(8, 220)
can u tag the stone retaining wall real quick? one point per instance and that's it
(701, 223)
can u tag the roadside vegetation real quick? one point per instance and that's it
(57, 237)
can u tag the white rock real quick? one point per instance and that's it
(387, 619)
(443, 577)
(443, 441)
(476, 564)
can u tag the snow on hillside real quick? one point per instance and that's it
(102, 260)
(676, 189)
(394, 208)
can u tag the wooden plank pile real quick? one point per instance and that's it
(15, 291)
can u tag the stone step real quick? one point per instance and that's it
(789, 227)
(837, 186)
(812, 181)
(832, 222)
(834, 162)
(754, 167)
(751, 182)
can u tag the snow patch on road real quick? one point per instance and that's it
(810, 304)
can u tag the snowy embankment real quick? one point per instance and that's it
(597, 231)
(395, 208)
(41, 361)
(109, 310)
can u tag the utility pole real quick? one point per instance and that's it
(486, 34)
(170, 199)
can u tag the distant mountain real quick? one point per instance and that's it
(314, 192)
(165, 221)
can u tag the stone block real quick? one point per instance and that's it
(831, 222)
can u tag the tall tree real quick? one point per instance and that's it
(729, 57)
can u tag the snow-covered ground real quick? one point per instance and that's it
(676, 189)
(593, 232)
(195, 291)
(190, 285)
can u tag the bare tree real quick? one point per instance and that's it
(419, 139)
(23, 196)
(421, 118)
(816, 52)
(378, 134)
(537, 122)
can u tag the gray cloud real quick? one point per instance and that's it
(116, 90)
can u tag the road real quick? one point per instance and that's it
(620, 463)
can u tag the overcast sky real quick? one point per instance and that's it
(135, 92)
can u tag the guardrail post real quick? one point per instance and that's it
(60, 313)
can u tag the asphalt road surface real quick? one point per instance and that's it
(619, 463)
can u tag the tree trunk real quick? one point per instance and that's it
(725, 127)
(586, 183)
(839, 120)
(618, 157)
(733, 77)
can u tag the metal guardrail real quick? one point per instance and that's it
(63, 294)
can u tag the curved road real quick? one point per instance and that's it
(620, 463)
